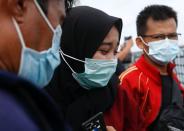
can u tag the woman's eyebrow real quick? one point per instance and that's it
(106, 43)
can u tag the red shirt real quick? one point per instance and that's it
(139, 97)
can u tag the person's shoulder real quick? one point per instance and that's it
(12, 115)
(30, 100)
(129, 73)
(9, 79)
(129, 79)
(17, 86)
(5, 76)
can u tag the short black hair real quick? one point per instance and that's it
(44, 4)
(157, 13)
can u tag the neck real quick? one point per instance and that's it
(161, 68)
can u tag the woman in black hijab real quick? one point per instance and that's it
(86, 32)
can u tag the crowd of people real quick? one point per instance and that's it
(61, 70)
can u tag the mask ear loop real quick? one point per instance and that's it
(63, 54)
(20, 36)
(44, 16)
(19, 33)
(144, 44)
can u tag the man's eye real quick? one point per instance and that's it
(159, 37)
(173, 36)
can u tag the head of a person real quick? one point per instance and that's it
(89, 33)
(29, 29)
(157, 30)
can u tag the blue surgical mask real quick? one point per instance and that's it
(38, 67)
(97, 72)
(163, 51)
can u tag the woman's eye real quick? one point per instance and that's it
(104, 52)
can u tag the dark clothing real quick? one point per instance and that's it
(12, 115)
(171, 112)
(84, 30)
(23, 107)
(120, 68)
(167, 83)
(79, 104)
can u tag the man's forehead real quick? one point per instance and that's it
(168, 24)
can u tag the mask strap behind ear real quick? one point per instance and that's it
(71, 57)
(62, 55)
(43, 15)
(19, 33)
(143, 41)
(144, 44)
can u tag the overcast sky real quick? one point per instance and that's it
(128, 10)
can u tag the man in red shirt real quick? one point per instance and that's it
(146, 87)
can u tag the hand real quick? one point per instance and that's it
(129, 43)
(110, 128)
(125, 50)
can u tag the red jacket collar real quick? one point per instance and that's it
(150, 70)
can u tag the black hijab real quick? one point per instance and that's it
(84, 29)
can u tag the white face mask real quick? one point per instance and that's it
(163, 51)
(97, 72)
(38, 67)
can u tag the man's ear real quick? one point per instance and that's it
(139, 43)
(17, 9)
